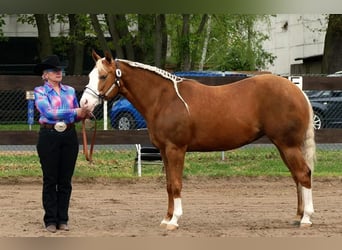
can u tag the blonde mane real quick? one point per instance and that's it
(167, 75)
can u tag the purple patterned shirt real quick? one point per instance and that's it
(54, 107)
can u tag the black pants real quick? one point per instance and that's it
(57, 153)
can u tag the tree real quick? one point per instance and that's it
(69, 46)
(235, 43)
(145, 38)
(205, 18)
(99, 32)
(112, 22)
(186, 36)
(77, 29)
(44, 38)
(160, 41)
(231, 42)
(2, 23)
(137, 37)
(189, 41)
(184, 44)
(332, 60)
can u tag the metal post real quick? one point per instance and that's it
(105, 115)
(30, 108)
(298, 80)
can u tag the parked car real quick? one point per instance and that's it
(327, 106)
(124, 116)
(336, 74)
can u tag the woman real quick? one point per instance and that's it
(58, 144)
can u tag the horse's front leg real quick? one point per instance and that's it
(169, 213)
(174, 171)
(170, 206)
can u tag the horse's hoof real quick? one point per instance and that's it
(305, 225)
(171, 227)
(164, 222)
(163, 225)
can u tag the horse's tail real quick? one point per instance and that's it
(309, 145)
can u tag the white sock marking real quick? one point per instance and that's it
(308, 205)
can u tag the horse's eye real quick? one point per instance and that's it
(102, 77)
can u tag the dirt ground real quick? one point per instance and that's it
(212, 207)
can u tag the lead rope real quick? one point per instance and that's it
(88, 155)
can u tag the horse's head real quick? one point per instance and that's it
(103, 82)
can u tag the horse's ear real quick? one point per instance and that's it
(108, 56)
(96, 57)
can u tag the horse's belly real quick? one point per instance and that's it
(216, 141)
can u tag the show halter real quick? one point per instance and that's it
(116, 83)
(88, 155)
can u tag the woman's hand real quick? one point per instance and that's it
(83, 112)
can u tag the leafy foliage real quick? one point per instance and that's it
(2, 23)
(233, 43)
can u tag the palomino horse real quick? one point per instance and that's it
(184, 115)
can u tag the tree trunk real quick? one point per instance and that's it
(146, 37)
(100, 36)
(118, 28)
(76, 53)
(250, 54)
(198, 38)
(114, 32)
(122, 26)
(160, 41)
(205, 45)
(44, 38)
(185, 44)
(332, 60)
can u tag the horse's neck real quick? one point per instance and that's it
(144, 89)
(154, 79)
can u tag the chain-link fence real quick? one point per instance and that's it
(327, 106)
(17, 112)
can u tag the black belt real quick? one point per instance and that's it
(52, 126)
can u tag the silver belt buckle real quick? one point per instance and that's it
(60, 126)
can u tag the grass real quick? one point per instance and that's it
(253, 161)
(18, 127)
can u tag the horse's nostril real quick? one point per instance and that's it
(83, 102)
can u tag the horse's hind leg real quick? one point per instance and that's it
(300, 204)
(301, 173)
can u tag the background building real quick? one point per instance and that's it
(297, 41)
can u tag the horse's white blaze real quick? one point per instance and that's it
(177, 212)
(308, 205)
(89, 98)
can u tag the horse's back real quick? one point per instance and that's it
(256, 97)
(232, 115)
